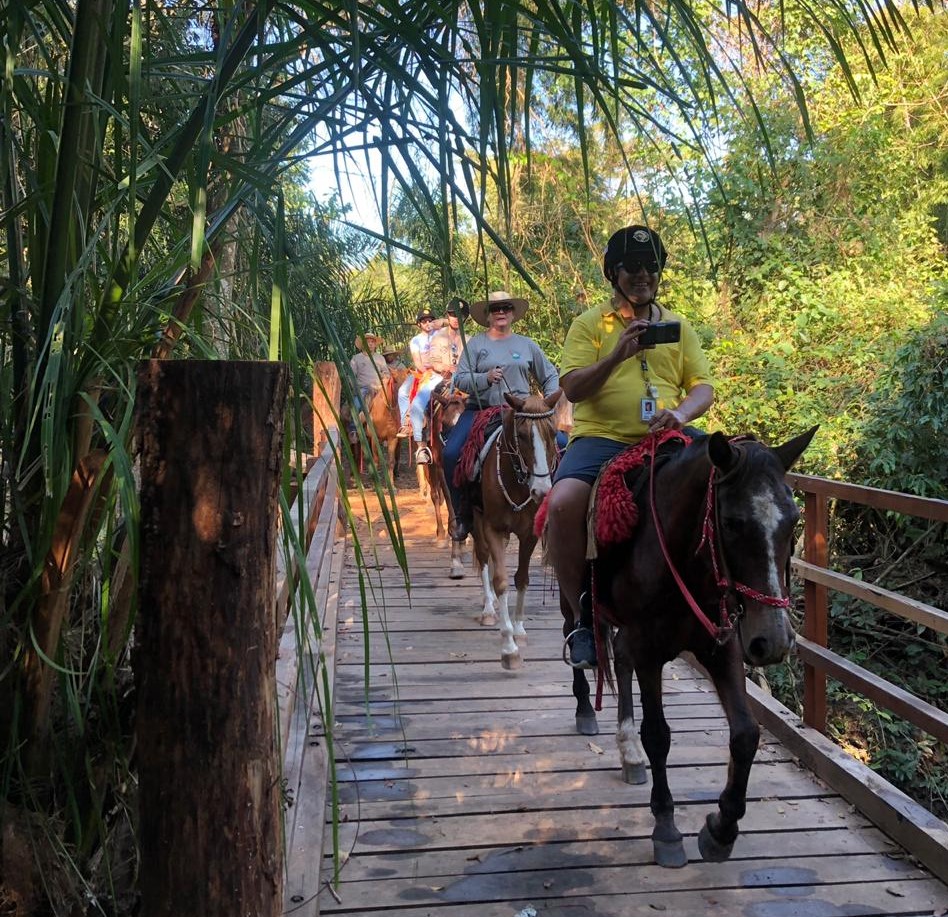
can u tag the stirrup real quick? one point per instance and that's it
(422, 455)
(566, 650)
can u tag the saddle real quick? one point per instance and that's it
(485, 424)
(617, 492)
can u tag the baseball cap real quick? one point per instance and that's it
(633, 245)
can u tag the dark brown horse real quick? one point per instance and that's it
(516, 476)
(704, 569)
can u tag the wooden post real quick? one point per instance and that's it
(325, 403)
(211, 438)
(816, 608)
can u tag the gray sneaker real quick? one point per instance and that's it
(582, 648)
(423, 456)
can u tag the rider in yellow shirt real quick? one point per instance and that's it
(621, 391)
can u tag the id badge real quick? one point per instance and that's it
(647, 409)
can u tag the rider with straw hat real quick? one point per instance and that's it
(493, 362)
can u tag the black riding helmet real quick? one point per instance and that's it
(633, 246)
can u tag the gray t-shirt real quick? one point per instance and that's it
(519, 358)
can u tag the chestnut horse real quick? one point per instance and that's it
(443, 412)
(516, 475)
(381, 422)
(704, 569)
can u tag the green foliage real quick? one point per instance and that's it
(902, 439)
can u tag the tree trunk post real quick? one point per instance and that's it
(211, 442)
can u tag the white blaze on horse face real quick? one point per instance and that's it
(769, 514)
(541, 480)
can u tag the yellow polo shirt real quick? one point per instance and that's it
(614, 412)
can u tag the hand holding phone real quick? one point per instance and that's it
(660, 333)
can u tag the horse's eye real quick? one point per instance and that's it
(733, 525)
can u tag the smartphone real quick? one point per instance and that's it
(660, 333)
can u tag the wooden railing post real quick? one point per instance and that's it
(325, 403)
(816, 608)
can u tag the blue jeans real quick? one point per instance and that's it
(420, 404)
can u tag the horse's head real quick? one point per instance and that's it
(450, 405)
(530, 435)
(755, 521)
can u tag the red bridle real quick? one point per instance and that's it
(727, 586)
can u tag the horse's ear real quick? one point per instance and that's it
(553, 398)
(790, 451)
(722, 454)
(514, 401)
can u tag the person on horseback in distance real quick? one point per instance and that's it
(421, 379)
(621, 391)
(443, 354)
(492, 362)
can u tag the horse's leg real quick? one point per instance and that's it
(509, 653)
(656, 739)
(488, 616)
(716, 839)
(392, 446)
(522, 581)
(457, 551)
(437, 498)
(631, 753)
(586, 724)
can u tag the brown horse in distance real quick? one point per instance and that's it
(443, 413)
(381, 423)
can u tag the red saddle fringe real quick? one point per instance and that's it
(467, 460)
(615, 512)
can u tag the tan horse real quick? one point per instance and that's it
(381, 422)
(517, 474)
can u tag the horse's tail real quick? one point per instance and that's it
(604, 640)
(539, 529)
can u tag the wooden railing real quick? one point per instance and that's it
(912, 825)
(819, 661)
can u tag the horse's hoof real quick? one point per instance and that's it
(711, 850)
(634, 773)
(487, 620)
(457, 572)
(520, 639)
(587, 725)
(511, 661)
(669, 854)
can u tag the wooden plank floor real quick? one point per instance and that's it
(464, 790)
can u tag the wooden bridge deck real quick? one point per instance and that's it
(464, 790)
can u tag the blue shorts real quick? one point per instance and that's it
(585, 456)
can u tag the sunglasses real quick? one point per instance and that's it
(633, 265)
(501, 307)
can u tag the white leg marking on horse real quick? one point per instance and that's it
(488, 615)
(518, 614)
(768, 514)
(630, 748)
(541, 482)
(508, 644)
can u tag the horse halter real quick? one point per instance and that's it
(729, 588)
(521, 472)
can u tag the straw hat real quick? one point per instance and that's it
(369, 336)
(479, 310)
